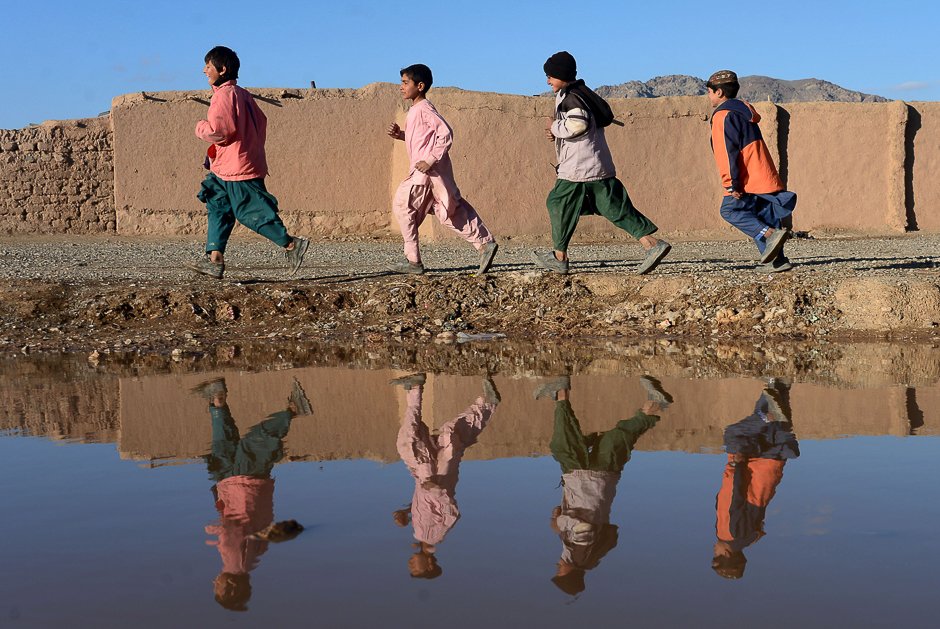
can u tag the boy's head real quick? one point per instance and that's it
(722, 85)
(423, 565)
(569, 579)
(416, 80)
(728, 562)
(560, 69)
(221, 65)
(232, 591)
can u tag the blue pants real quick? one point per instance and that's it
(753, 212)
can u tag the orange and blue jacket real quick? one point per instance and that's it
(743, 161)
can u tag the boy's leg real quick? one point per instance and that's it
(743, 214)
(263, 445)
(614, 447)
(221, 218)
(410, 206)
(225, 438)
(256, 209)
(456, 213)
(565, 203)
(613, 203)
(568, 444)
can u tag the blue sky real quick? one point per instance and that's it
(68, 59)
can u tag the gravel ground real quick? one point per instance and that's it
(97, 293)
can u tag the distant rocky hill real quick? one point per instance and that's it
(753, 88)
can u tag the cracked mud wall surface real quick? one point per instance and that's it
(334, 169)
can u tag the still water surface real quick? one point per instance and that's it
(461, 501)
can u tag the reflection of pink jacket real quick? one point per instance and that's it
(434, 460)
(246, 505)
(237, 128)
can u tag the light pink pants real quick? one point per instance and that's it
(414, 201)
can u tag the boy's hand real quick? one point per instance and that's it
(395, 131)
(422, 166)
(548, 128)
(736, 194)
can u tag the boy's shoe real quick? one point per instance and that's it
(777, 265)
(210, 389)
(406, 267)
(298, 399)
(490, 394)
(550, 388)
(549, 262)
(205, 266)
(653, 257)
(295, 256)
(655, 391)
(410, 381)
(775, 244)
(487, 253)
(279, 531)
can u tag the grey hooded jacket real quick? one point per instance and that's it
(581, 148)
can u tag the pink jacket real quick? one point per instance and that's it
(246, 505)
(428, 137)
(237, 128)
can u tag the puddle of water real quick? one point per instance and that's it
(455, 500)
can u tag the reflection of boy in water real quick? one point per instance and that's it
(244, 490)
(591, 466)
(758, 447)
(433, 460)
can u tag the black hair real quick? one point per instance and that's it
(222, 57)
(730, 90)
(419, 73)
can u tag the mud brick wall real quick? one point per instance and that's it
(57, 178)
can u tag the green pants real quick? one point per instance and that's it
(252, 455)
(601, 452)
(570, 200)
(248, 202)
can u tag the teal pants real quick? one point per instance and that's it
(252, 455)
(247, 202)
(601, 452)
(570, 200)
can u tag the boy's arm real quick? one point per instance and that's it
(443, 139)
(220, 127)
(726, 143)
(574, 121)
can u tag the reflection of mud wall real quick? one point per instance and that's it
(858, 167)
(58, 406)
(57, 178)
(357, 415)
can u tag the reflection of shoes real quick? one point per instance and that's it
(298, 399)
(549, 262)
(487, 253)
(279, 531)
(204, 266)
(210, 388)
(774, 244)
(778, 265)
(653, 257)
(655, 391)
(778, 405)
(407, 267)
(489, 391)
(295, 256)
(550, 388)
(410, 381)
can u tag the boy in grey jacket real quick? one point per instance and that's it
(587, 179)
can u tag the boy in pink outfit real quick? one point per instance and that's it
(433, 460)
(430, 185)
(234, 188)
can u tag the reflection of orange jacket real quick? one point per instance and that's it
(743, 160)
(746, 490)
(246, 505)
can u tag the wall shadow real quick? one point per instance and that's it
(910, 132)
(783, 144)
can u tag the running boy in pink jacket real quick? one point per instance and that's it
(430, 185)
(234, 188)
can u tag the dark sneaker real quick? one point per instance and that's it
(487, 253)
(298, 400)
(550, 388)
(210, 389)
(779, 264)
(204, 266)
(409, 382)
(655, 391)
(279, 532)
(406, 267)
(774, 244)
(653, 257)
(549, 262)
(295, 256)
(490, 393)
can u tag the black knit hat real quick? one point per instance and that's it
(561, 66)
